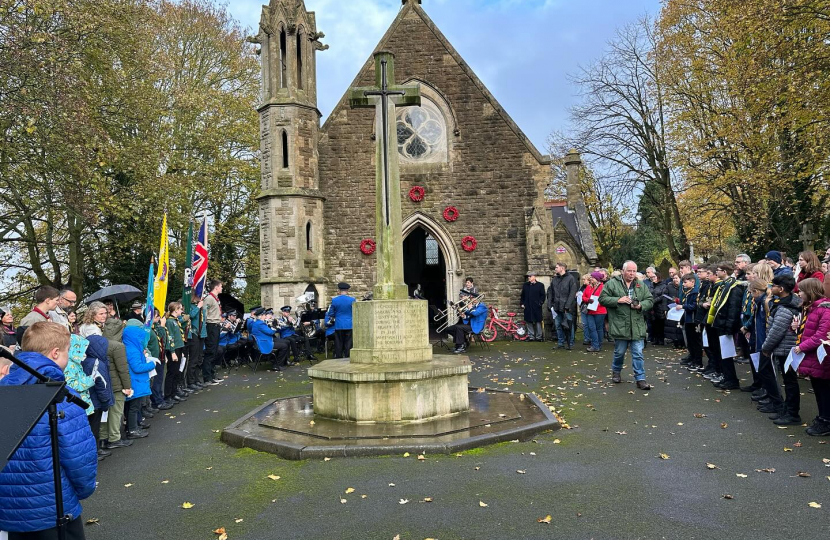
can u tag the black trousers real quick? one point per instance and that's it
(792, 396)
(281, 350)
(74, 531)
(727, 365)
(658, 331)
(713, 350)
(342, 343)
(94, 420)
(769, 380)
(822, 390)
(459, 333)
(694, 342)
(211, 346)
(174, 374)
(195, 352)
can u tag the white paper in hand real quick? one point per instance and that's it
(104, 416)
(822, 353)
(727, 347)
(553, 312)
(756, 359)
(793, 360)
(705, 338)
(594, 304)
(674, 315)
(182, 364)
(152, 374)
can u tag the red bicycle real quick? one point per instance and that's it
(517, 329)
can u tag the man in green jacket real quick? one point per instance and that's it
(627, 299)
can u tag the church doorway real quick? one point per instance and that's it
(425, 265)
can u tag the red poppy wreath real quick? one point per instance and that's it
(368, 246)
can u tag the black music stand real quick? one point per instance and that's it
(30, 402)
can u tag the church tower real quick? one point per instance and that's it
(290, 203)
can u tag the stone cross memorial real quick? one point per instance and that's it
(392, 375)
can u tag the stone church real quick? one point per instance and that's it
(473, 185)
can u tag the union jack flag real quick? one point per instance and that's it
(200, 260)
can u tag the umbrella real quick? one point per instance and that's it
(118, 293)
(228, 303)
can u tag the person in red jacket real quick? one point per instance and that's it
(596, 313)
(813, 330)
(810, 268)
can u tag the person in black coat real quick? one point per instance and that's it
(658, 312)
(533, 298)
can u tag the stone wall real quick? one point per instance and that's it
(491, 176)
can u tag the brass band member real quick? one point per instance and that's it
(472, 320)
(287, 325)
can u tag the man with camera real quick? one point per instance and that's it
(626, 299)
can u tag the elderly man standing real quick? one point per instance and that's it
(533, 298)
(626, 299)
(562, 300)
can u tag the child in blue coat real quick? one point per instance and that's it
(27, 487)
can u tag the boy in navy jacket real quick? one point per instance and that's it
(27, 487)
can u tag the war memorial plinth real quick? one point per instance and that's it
(392, 395)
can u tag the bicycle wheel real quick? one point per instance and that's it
(489, 333)
(520, 332)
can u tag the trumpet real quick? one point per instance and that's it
(457, 310)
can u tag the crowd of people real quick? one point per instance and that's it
(773, 315)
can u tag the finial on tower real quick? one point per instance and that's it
(404, 2)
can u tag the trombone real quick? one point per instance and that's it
(457, 310)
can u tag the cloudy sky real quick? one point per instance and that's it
(523, 50)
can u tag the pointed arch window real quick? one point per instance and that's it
(300, 59)
(432, 251)
(283, 60)
(308, 242)
(284, 149)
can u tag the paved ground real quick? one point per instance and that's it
(603, 478)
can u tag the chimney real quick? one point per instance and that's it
(572, 165)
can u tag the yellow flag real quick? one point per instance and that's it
(163, 274)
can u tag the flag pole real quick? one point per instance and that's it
(187, 289)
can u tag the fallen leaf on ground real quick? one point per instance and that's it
(208, 468)
(482, 504)
(545, 519)
(165, 481)
(273, 477)
(127, 485)
(700, 415)
(798, 444)
(826, 461)
(664, 456)
(788, 449)
(343, 501)
(740, 475)
(767, 470)
(814, 505)
(406, 454)
(326, 459)
(220, 530)
(311, 423)
(397, 537)
(427, 499)
(803, 474)
(556, 441)
(724, 425)
(238, 520)
(403, 501)
(421, 457)
(480, 390)
(223, 536)
(621, 433)
(680, 423)
(727, 496)
(711, 466)
(187, 505)
(349, 490)
(91, 521)
(391, 485)
(363, 496)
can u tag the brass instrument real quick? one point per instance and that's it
(457, 310)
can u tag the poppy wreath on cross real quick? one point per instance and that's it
(468, 243)
(368, 246)
(451, 213)
(416, 194)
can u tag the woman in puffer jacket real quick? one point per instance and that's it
(815, 330)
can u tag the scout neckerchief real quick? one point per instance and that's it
(804, 312)
(39, 312)
(181, 330)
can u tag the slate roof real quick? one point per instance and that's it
(581, 233)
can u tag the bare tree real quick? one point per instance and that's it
(620, 127)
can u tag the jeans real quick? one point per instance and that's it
(586, 339)
(637, 362)
(594, 329)
(565, 328)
